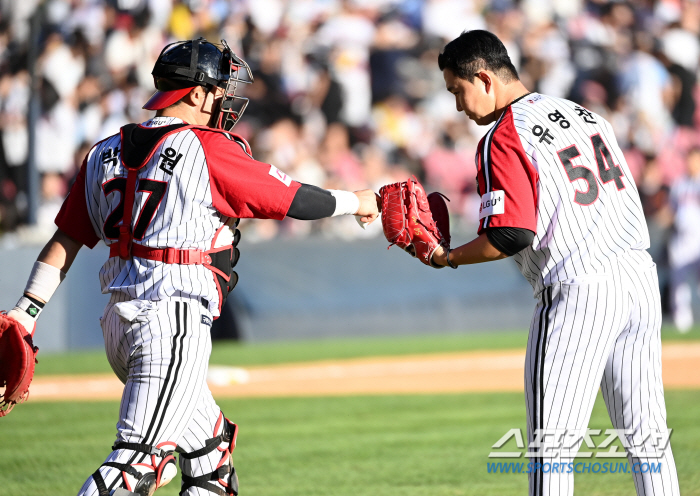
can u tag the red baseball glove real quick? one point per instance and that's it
(413, 221)
(17, 359)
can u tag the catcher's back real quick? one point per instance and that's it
(173, 208)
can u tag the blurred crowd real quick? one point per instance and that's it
(348, 94)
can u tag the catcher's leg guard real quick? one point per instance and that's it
(222, 481)
(141, 479)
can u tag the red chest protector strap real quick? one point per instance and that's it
(126, 236)
(165, 255)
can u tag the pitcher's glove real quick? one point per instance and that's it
(413, 221)
(17, 359)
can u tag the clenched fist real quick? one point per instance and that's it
(370, 205)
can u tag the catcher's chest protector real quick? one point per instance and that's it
(138, 146)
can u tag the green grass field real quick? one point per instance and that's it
(374, 445)
(242, 354)
(377, 445)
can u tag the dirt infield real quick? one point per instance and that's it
(482, 371)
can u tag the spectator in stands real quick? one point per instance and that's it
(684, 248)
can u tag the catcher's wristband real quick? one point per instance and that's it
(30, 306)
(44, 280)
(449, 262)
(346, 202)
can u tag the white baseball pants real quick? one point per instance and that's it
(599, 331)
(160, 351)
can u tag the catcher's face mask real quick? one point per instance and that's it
(232, 105)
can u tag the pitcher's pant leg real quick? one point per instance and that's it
(633, 389)
(571, 335)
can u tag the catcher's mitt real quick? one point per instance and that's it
(17, 359)
(413, 221)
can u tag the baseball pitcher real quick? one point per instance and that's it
(558, 197)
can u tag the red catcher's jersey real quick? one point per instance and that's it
(555, 168)
(195, 182)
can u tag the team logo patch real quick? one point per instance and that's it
(206, 320)
(280, 176)
(492, 203)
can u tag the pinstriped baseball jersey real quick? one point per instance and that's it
(555, 168)
(194, 183)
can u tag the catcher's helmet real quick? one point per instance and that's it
(185, 64)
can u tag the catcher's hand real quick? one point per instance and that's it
(370, 204)
(413, 221)
(17, 360)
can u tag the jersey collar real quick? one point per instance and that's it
(520, 98)
(162, 121)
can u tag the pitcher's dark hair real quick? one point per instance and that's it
(477, 50)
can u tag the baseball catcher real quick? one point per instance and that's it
(413, 221)
(166, 195)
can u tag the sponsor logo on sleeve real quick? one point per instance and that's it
(280, 176)
(206, 320)
(492, 203)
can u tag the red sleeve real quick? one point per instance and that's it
(507, 179)
(240, 185)
(73, 218)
